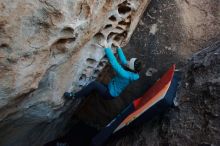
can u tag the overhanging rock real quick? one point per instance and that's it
(48, 47)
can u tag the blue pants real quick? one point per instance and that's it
(100, 88)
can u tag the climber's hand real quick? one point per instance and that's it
(99, 45)
(117, 45)
(107, 44)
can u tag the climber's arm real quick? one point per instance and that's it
(118, 68)
(122, 56)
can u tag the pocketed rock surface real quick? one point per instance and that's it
(48, 47)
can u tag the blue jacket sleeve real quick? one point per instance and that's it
(122, 56)
(117, 67)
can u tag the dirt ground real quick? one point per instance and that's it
(170, 32)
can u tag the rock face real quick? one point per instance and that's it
(196, 121)
(48, 47)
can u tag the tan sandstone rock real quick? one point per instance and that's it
(48, 47)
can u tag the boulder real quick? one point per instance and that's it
(48, 47)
